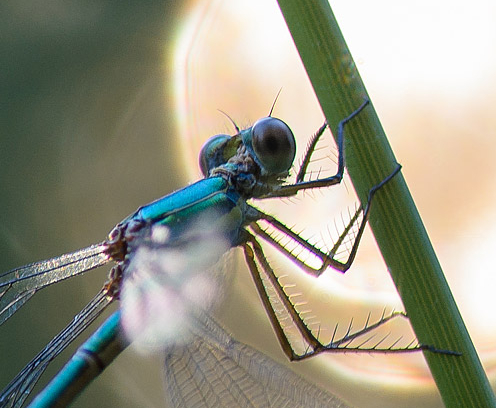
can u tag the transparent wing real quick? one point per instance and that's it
(21, 386)
(18, 285)
(214, 370)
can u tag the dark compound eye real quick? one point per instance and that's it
(211, 153)
(273, 144)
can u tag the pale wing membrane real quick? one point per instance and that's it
(20, 387)
(18, 285)
(214, 370)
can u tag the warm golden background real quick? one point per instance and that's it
(104, 106)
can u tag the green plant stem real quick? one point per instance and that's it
(395, 221)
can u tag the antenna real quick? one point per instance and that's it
(274, 103)
(231, 119)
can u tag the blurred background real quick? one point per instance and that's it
(104, 107)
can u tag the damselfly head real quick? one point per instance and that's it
(270, 143)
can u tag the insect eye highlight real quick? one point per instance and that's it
(273, 144)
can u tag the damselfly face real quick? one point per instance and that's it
(266, 149)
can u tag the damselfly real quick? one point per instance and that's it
(161, 252)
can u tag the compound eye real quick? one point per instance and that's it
(273, 144)
(211, 154)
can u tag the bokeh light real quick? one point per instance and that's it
(430, 77)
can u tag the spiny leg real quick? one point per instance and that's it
(252, 250)
(308, 155)
(291, 189)
(327, 259)
(254, 254)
